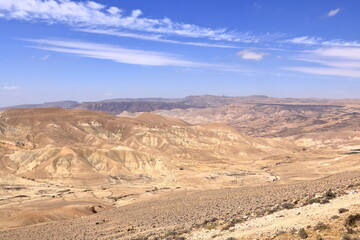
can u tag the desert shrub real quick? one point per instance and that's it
(347, 237)
(214, 219)
(352, 220)
(231, 224)
(321, 226)
(335, 217)
(171, 233)
(278, 233)
(324, 201)
(312, 201)
(342, 210)
(288, 205)
(231, 238)
(195, 226)
(329, 194)
(303, 234)
(210, 226)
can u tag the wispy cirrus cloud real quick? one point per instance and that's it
(251, 55)
(124, 55)
(307, 40)
(156, 38)
(333, 12)
(10, 88)
(304, 40)
(85, 14)
(327, 71)
(349, 53)
(112, 52)
(333, 61)
(341, 43)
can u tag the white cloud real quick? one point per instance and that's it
(91, 14)
(250, 55)
(332, 13)
(340, 64)
(341, 43)
(350, 53)
(156, 38)
(305, 40)
(114, 10)
(333, 61)
(327, 71)
(94, 5)
(112, 52)
(124, 55)
(9, 88)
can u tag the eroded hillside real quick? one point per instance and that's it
(58, 164)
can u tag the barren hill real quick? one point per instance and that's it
(254, 115)
(272, 119)
(81, 145)
(57, 164)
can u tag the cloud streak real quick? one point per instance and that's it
(123, 55)
(333, 61)
(156, 38)
(327, 71)
(10, 88)
(307, 40)
(304, 40)
(92, 14)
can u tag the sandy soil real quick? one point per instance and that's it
(178, 211)
(97, 176)
(284, 221)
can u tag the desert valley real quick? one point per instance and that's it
(179, 120)
(201, 171)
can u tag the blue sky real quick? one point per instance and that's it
(92, 50)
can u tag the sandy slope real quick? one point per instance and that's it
(178, 211)
(58, 164)
(284, 220)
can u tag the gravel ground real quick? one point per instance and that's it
(179, 210)
(285, 221)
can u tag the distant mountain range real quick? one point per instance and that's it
(133, 105)
(117, 106)
(62, 104)
(254, 115)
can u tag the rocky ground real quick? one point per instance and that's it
(176, 215)
(76, 174)
(327, 218)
